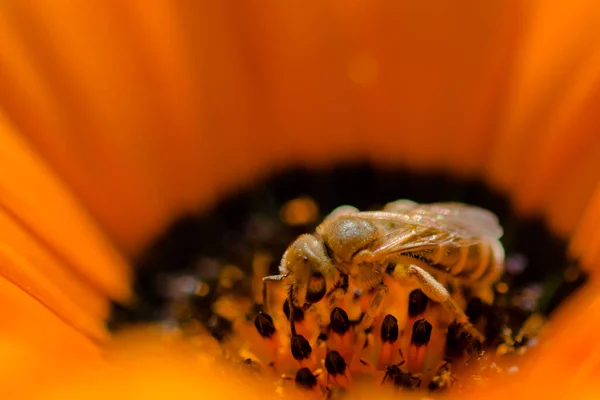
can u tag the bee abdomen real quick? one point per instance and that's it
(469, 263)
(478, 264)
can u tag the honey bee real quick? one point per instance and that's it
(409, 242)
(400, 378)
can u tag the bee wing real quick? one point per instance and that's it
(410, 238)
(465, 221)
(426, 227)
(472, 220)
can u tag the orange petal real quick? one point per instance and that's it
(400, 83)
(547, 152)
(585, 244)
(40, 204)
(566, 364)
(143, 365)
(36, 344)
(51, 250)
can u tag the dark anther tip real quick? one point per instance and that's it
(417, 303)
(264, 324)
(335, 363)
(300, 347)
(421, 333)
(305, 379)
(460, 343)
(389, 329)
(339, 321)
(298, 312)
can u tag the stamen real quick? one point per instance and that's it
(337, 369)
(301, 349)
(305, 379)
(264, 325)
(339, 321)
(332, 331)
(335, 363)
(340, 335)
(389, 329)
(417, 303)
(389, 338)
(421, 334)
(298, 312)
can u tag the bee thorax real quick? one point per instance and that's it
(346, 236)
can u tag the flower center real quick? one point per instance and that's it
(205, 275)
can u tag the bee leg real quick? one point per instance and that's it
(337, 291)
(438, 293)
(264, 288)
(416, 382)
(374, 307)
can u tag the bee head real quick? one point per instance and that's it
(310, 267)
(347, 235)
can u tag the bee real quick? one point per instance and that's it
(400, 378)
(411, 243)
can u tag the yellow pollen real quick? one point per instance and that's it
(299, 211)
(502, 287)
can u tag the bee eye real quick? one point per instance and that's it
(316, 288)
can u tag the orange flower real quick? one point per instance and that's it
(118, 116)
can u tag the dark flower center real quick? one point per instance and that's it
(229, 249)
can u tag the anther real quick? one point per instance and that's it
(421, 333)
(389, 341)
(335, 363)
(264, 324)
(298, 312)
(339, 321)
(305, 379)
(417, 303)
(389, 329)
(301, 349)
(460, 343)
